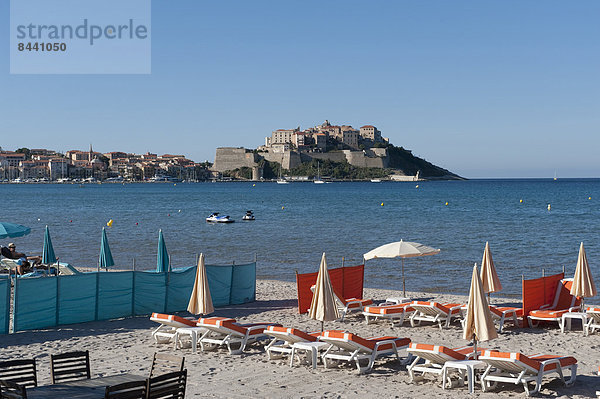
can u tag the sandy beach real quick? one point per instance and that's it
(126, 345)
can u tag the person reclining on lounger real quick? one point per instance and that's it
(23, 265)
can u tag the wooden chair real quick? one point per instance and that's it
(127, 390)
(12, 390)
(170, 385)
(22, 371)
(70, 366)
(163, 363)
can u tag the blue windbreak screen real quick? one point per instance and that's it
(4, 304)
(51, 301)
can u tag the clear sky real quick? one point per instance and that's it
(482, 88)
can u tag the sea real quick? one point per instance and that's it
(533, 226)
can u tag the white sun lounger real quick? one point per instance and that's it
(517, 368)
(431, 358)
(441, 313)
(168, 326)
(593, 323)
(394, 313)
(352, 348)
(284, 340)
(225, 331)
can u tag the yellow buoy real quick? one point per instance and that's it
(174, 184)
(417, 186)
(446, 203)
(382, 204)
(521, 201)
(283, 207)
(109, 223)
(254, 185)
(548, 206)
(589, 198)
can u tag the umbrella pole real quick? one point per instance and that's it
(403, 281)
(321, 326)
(475, 347)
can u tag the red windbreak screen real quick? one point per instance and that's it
(347, 281)
(539, 292)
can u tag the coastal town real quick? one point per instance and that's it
(335, 148)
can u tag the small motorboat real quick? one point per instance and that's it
(215, 218)
(248, 216)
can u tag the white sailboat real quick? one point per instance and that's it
(318, 179)
(281, 180)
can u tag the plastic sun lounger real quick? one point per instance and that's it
(434, 357)
(349, 305)
(504, 314)
(563, 303)
(168, 326)
(593, 324)
(352, 348)
(517, 368)
(225, 331)
(434, 312)
(396, 312)
(285, 338)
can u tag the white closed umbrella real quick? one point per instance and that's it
(200, 300)
(489, 276)
(322, 306)
(479, 325)
(401, 249)
(583, 282)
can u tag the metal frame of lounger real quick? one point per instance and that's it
(218, 335)
(406, 310)
(434, 357)
(427, 311)
(503, 315)
(593, 323)
(165, 332)
(346, 350)
(559, 312)
(283, 341)
(512, 370)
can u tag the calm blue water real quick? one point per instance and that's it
(342, 219)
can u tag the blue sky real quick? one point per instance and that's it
(484, 89)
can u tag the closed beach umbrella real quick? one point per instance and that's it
(48, 256)
(489, 277)
(583, 282)
(201, 301)
(13, 230)
(322, 306)
(162, 259)
(105, 260)
(401, 249)
(479, 325)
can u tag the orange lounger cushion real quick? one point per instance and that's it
(230, 324)
(444, 307)
(533, 362)
(387, 310)
(356, 303)
(548, 314)
(593, 309)
(310, 337)
(172, 320)
(366, 343)
(460, 353)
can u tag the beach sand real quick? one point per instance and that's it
(126, 345)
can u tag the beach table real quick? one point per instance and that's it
(81, 389)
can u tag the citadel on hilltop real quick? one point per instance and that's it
(340, 145)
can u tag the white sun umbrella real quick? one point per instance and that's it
(200, 300)
(479, 325)
(401, 249)
(489, 277)
(322, 306)
(583, 282)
